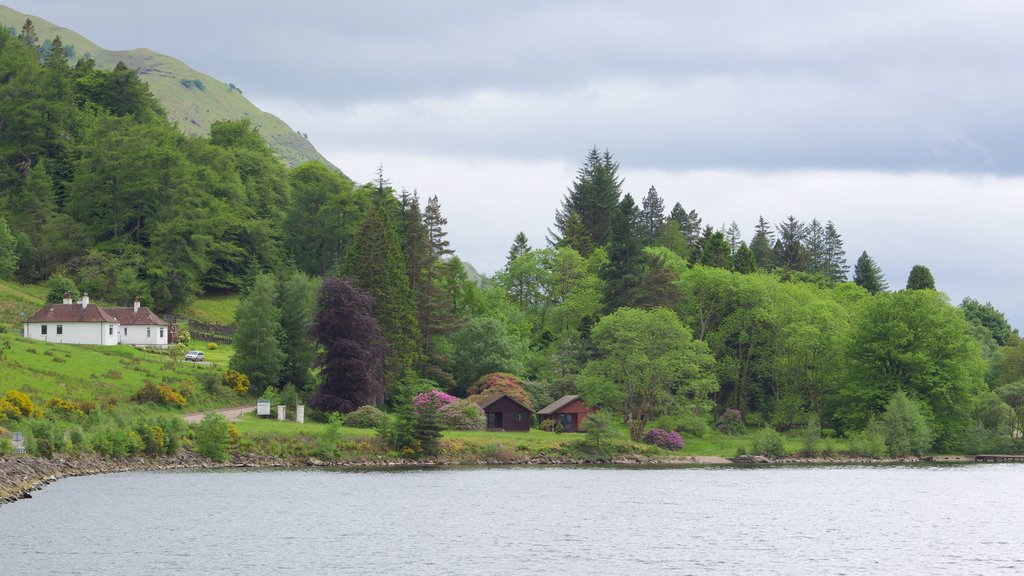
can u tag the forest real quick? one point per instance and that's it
(352, 294)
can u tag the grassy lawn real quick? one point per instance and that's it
(19, 301)
(215, 309)
(221, 356)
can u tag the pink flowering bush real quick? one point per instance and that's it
(731, 422)
(456, 413)
(663, 439)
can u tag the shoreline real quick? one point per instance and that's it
(22, 475)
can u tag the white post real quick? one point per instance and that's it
(280, 412)
(300, 413)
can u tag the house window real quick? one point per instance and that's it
(161, 332)
(43, 330)
(147, 332)
(110, 330)
(125, 330)
(60, 329)
(518, 417)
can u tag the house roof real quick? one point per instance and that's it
(129, 317)
(558, 404)
(71, 313)
(485, 401)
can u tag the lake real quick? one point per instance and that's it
(919, 519)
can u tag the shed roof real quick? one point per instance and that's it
(129, 317)
(558, 404)
(486, 401)
(71, 313)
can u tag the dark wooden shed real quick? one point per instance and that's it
(569, 410)
(504, 413)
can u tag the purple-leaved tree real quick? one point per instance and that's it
(350, 346)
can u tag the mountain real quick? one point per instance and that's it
(193, 100)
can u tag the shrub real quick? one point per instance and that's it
(690, 422)
(6, 446)
(810, 436)
(455, 413)
(731, 422)
(906, 429)
(365, 417)
(184, 337)
(211, 346)
(23, 406)
(236, 381)
(497, 383)
(209, 381)
(327, 442)
(8, 411)
(419, 430)
(869, 442)
(769, 442)
(63, 408)
(213, 437)
(154, 442)
(597, 443)
(49, 438)
(662, 439)
(116, 442)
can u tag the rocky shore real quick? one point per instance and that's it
(21, 475)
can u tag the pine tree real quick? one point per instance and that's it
(920, 278)
(867, 275)
(835, 266)
(297, 301)
(761, 244)
(689, 224)
(8, 252)
(734, 237)
(435, 223)
(624, 271)
(257, 323)
(715, 250)
(351, 348)
(376, 265)
(520, 246)
(658, 288)
(743, 260)
(56, 57)
(815, 247)
(28, 33)
(652, 216)
(790, 253)
(433, 313)
(594, 196)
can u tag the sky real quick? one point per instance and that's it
(898, 121)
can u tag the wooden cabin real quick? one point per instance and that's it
(504, 413)
(569, 410)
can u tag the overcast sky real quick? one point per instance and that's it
(898, 121)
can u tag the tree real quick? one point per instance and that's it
(257, 324)
(834, 256)
(321, 219)
(8, 251)
(625, 267)
(920, 278)
(377, 266)
(351, 348)
(56, 57)
(652, 215)
(715, 250)
(484, 345)
(867, 275)
(297, 302)
(987, 315)
(906, 428)
(789, 250)
(761, 244)
(593, 199)
(647, 365)
(915, 341)
(743, 261)
(734, 237)
(689, 223)
(520, 246)
(658, 288)
(28, 33)
(815, 247)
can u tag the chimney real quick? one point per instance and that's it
(135, 305)
(67, 298)
(85, 299)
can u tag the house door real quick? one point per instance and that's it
(494, 420)
(566, 421)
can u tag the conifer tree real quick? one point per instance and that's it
(815, 247)
(743, 260)
(593, 196)
(734, 237)
(377, 266)
(520, 246)
(297, 301)
(834, 256)
(689, 224)
(715, 249)
(920, 278)
(624, 271)
(257, 323)
(790, 253)
(57, 58)
(761, 244)
(433, 313)
(658, 288)
(867, 275)
(652, 216)
(8, 252)
(28, 33)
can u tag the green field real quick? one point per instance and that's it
(214, 309)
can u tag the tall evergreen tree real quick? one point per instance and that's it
(743, 260)
(815, 247)
(835, 266)
(351, 348)
(624, 271)
(734, 237)
(715, 250)
(433, 313)
(377, 266)
(658, 287)
(652, 216)
(28, 33)
(761, 244)
(791, 253)
(920, 278)
(689, 224)
(520, 246)
(57, 57)
(8, 251)
(297, 302)
(257, 324)
(867, 275)
(593, 196)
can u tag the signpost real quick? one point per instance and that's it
(19, 443)
(263, 407)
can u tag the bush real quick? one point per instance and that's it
(455, 413)
(691, 423)
(731, 422)
(662, 439)
(21, 403)
(49, 438)
(906, 429)
(6, 446)
(597, 443)
(236, 381)
(769, 442)
(327, 443)
(810, 436)
(154, 442)
(116, 442)
(365, 417)
(211, 346)
(870, 442)
(171, 397)
(213, 437)
(497, 383)
(184, 337)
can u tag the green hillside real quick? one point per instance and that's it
(193, 100)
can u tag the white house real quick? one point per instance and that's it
(71, 323)
(140, 326)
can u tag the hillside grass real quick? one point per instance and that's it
(214, 309)
(19, 301)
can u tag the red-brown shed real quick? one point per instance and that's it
(504, 413)
(568, 410)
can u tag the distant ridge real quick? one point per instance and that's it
(193, 100)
